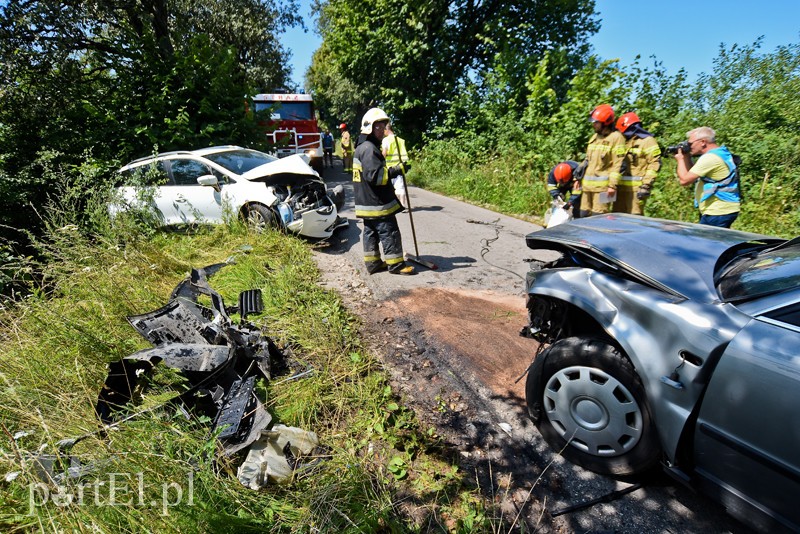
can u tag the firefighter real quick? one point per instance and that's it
(604, 157)
(347, 149)
(375, 201)
(565, 178)
(640, 165)
(393, 148)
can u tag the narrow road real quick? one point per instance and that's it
(449, 338)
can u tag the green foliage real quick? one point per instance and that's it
(414, 58)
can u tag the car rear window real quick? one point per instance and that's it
(240, 161)
(762, 274)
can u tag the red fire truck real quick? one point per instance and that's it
(292, 125)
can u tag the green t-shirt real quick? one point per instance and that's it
(712, 166)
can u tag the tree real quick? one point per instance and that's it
(414, 57)
(111, 80)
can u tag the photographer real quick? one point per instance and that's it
(714, 173)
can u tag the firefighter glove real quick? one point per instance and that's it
(644, 192)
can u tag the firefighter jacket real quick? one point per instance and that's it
(604, 154)
(573, 186)
(374, 192)
(641, 164)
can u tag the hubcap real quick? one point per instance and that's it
(593, 411)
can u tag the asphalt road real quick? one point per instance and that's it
(478, 251)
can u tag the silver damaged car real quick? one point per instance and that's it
(672, 343)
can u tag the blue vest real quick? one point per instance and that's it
(726, 190)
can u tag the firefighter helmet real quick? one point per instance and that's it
(604, 114)
(343, 126)
(562, 173)
(627, 120)
(371, 117)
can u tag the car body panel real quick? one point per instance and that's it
(722, 379)
(748, 436)
(669, 254)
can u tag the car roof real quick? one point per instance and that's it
(676, 256)
(202, 152)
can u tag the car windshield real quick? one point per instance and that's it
(771, 271)
(240, 161)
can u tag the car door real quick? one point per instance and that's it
(183, 200)
(747, 441)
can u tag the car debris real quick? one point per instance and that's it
(222, 362)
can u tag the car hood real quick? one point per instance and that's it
(291, 171)
(675, 257)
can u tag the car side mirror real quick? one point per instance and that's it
(209, 180)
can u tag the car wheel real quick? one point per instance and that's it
(589, 404)
(261, 217)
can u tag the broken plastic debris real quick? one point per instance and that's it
(268, 459)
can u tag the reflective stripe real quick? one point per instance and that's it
(378, 211)
(596, 180)
(394, 261)
(368, 259)
(630, 182)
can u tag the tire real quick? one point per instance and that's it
(583, 391)
(260, 217)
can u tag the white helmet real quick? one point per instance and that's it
(370, 117)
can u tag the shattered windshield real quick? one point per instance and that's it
(241, 161)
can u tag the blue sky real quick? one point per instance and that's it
(680, 34)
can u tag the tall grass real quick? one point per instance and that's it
(55, 345)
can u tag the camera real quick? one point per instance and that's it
(684, 147)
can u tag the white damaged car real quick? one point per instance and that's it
(206, 185)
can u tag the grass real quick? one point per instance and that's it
(159, 471)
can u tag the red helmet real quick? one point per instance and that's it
(343, 126)
(603, 114)
(627, 120)
(562, 173)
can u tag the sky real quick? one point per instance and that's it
(679, 33)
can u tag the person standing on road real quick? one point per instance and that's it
(327, 148)
(347, 149)
(604, 161)
(640, 166)
(375, 201)
(393, 149)
(565, 179)
(715, 174)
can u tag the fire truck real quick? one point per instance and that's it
(292, 126)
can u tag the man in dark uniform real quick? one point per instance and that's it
(566, 178)
(376, 203)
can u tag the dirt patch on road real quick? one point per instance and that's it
(480, 326)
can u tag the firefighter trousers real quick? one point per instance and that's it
(382, 232)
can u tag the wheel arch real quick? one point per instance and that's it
(651, 329)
